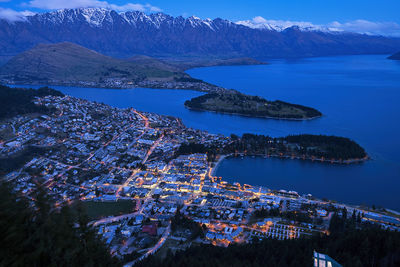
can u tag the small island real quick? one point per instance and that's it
(234, 102)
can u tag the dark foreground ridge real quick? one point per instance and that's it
(233, 102)
(45, 236)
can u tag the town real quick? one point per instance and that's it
(122, 83)
(142, 193)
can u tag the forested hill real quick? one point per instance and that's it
(18, 101)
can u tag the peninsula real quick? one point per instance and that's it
(234, 102)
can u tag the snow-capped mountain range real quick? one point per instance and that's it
(98, 17)
(130, 33)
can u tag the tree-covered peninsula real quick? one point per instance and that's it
(305, 146)
(234, 102)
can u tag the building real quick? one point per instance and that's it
(322, 260)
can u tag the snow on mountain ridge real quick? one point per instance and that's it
(97, 17)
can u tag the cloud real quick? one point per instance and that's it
(12, 15)
(262, 23)
(357, 26)
(368, 27)
(60, 4)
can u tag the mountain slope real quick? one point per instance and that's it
(69, 62)
(132, 33)
(395, 56)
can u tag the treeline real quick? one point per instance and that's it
(310, 112)
(197, 102)
(307, 145)
(180, 222)
(44, 236)
(290, 215)
(327, 146)
(193, 148)
(18, 101)
(350, 243)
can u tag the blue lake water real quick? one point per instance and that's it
(358, 95)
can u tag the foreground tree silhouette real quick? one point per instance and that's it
(41, 235)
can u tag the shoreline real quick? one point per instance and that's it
(217, 163)
(285, 157)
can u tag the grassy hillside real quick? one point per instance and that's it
(71, 62)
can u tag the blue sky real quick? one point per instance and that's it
(356, 13)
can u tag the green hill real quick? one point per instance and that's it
(69, 62)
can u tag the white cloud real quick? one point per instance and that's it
(12, 15)
(368, 27)
(60, 4)
(357, 26)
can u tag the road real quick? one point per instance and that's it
(115, 219)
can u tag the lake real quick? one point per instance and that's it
(358, 96)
